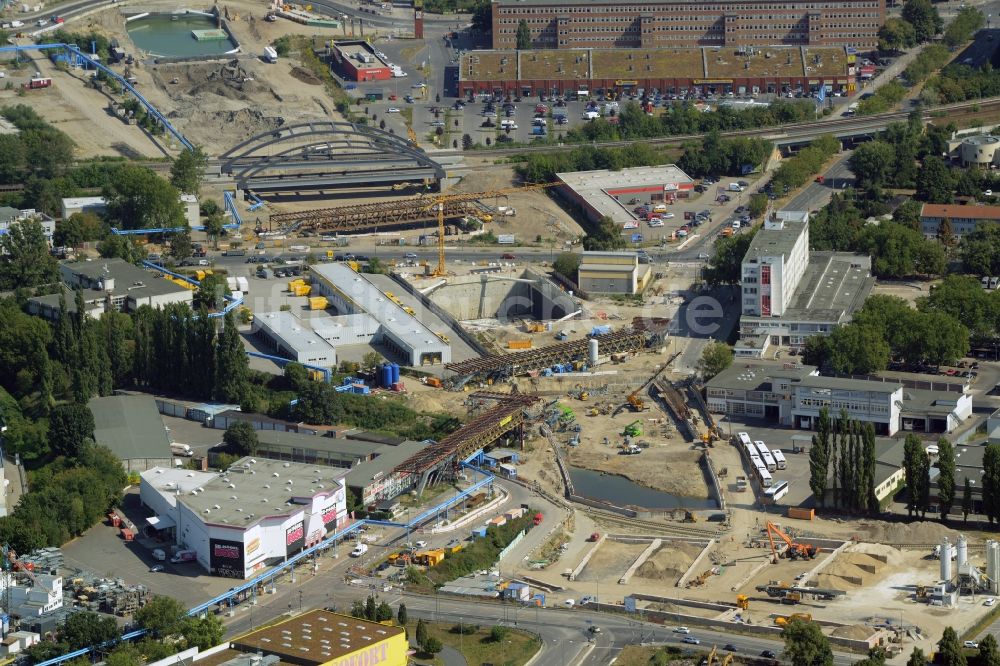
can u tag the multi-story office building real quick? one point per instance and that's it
(565, 24)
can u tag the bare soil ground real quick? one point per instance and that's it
(611, 560)
(669, 562)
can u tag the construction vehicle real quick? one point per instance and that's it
(633, 429)
(794, 550)
(742, 602)
(593, 411)
(583, 396)
(636, 403)
(630, 450)
(689, 517)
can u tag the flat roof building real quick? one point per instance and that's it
(97, 206)
(315, 638)
(603, 24)
(352, 293)
(255, 514)
(612, 273)
(356, 60)
(289, 337)
(795, 395)
(11, 216)
(582, 73)
(109, 285)
(964, 219)
(131, 426)
(790, 293)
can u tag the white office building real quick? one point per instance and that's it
(790, 293)
(256, 514)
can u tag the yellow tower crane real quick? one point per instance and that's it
(439, 203)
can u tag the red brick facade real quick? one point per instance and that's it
(557, 24)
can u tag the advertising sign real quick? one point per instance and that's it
(226, 558)
(295, 538)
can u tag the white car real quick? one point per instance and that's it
(656, 222)
(988, 193)
(631, 224)
(437, 123)
(570, 603)
(421, 544)
(667, 216)
(989, 602)
(392, 109)
(703, 255)
(691, 639)
(970, 644)
(681, 630)
(411, 255)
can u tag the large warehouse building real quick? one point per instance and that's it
(352, 293)
(602, 24)
(255, 514)
(584, 73)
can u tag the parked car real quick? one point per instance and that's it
(411, 255)
(681, 630)
(156, 568)
(729, 647)
(392, 109)
(970, 644)
(767, 654)
(508, 256)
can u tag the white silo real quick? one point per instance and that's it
(963, 551)
(945, 559)
(593, 348)
(991, 568)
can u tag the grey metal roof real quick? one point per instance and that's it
(403, 327)
(833, 287)
(130, 426)
(129, 278)
(387, 460)
(291, 331)
(352, 448)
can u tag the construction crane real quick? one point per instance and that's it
(794, 551)
(439, 204)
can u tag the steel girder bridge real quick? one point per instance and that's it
(325, 155)
(506, 414)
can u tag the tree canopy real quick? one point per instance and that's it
(137, 198)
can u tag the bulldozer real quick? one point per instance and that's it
(742, 602)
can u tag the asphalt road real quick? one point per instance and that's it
(816, 195)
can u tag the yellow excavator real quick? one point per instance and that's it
(742, 602)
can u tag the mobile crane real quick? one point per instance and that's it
(795, 550)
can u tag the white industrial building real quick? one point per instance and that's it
(109, 284)
(36, 600)
(313, 339)
(790, 293)
(351, 293)
(794, 396)
(980, 150)
(11, 216)
(255, 514)
(97, 206)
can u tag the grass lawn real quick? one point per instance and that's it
(643, 655)
(477, 648)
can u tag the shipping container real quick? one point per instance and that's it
(302, 289)
(801, 514)
(317, 303)
(519, 344)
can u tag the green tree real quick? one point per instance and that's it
(991, 483)
(215, 226)
(908, 214)
(758, 205)
(163, 616)
(819, 457)
(188, 170)
(137, 198)
(873, 163)
(567, 264)
(232, 368)
(401, 616)
(950, 651)
(202, 632)
(989, 652)
(421, 633)
(935, 182)
(431, 646)
(523, 36)
(716, 357)
(212, 291)
(78, 229)
(917, 658)
(358, 609)
(383, 613)
(498, 633)
(805, 644)
(961, 29)
(606, 236)
(241, 438)
(946, 477)
(85, 628)
(924, 18)
(725, 266)
(122, 247)
(24, 256)
(896, 35)
(69, 426)
(124, 654)
(858, 350)
(482, 16)
(867, 500)
(371, 609)
(966, 500)
(912, 452)
(180, 245)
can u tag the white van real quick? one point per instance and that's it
(181, 450)
(591, 115)
(735, 187)
(508, 124)
(359, 550)
(159, 555)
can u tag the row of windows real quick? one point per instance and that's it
(837, 405)
(844, 4)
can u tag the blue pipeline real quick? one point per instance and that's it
(227, 198)
(72, 48)
(231, 303)
(290, 563)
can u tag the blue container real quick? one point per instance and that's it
(385, 379)
(395, 372)
(600, 330)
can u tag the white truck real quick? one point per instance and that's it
(359, 550)
(270, 54)
(181, 450)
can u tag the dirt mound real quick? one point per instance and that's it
(669, 562)
(918, 532)
(855, 632)
(859, 565)
(305, 76)
(240, 124)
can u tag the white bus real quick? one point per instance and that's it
(751, 450)
(744, 438)
(776, 491)
(779, 458)
(761, 448)
(765, 477)
(757, 462)
(769, 461)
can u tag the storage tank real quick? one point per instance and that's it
(593, 350)
(991, 561)
(395, 372)
(945, 559)
(963, 551)
(385, 376)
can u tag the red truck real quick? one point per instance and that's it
(537, 519)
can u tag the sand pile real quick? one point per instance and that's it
(859, 565)
(240, 124)
(855, 632)
(669, 562)
(918, 532)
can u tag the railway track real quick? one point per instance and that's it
(654, 527)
